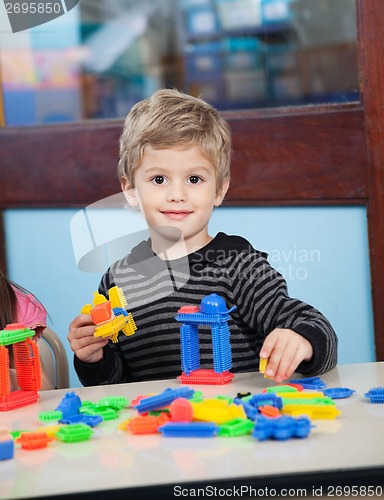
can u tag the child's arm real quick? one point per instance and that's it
(296, 336)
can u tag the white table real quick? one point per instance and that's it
(116, 464)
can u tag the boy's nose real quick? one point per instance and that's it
(176, 192)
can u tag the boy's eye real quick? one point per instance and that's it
(158, 179)
(194, 179)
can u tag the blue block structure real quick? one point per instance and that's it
(281, 428)
(213, 313)
(376, 395)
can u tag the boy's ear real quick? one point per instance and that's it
(129, 193)
(222, 192)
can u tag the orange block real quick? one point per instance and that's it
(102, 313)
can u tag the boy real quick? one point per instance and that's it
(174, 166)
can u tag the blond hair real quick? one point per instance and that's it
(170, 118)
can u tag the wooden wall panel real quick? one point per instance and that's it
(312, 155)
(302, 156)
(371, 56)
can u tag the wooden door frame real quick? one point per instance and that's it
(306, 155)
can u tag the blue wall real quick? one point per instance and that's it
(323, 253)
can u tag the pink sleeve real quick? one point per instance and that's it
(30, 312)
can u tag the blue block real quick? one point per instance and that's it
(6, 449)
(194, 429)
(163, 399)
(69, 405)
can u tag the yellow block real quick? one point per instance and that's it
(212, 413)
(312, 411)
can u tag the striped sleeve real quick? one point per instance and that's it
(261, 295)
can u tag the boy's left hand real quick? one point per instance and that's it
(285, 349)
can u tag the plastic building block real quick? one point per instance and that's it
(138, 398)
(73, 433)
(305, 395)
(194, 429)
(118, 324)
(206, 377)
(316, 400)
(17, 399)
(310, 383)
(106, 412)
(7, 449)
(375, 395)
(269, 411)
(16, 434)
(69, 405)
(297, 386)
(15, 333)
(181, 410)
(280, 389)
(6, 444)
(313, 411)
(338, 392)
(4, 373)
(208, 411)
(146, 424)
(50, 416)
(303, 427)
(123, 424)
(101, 313)
(163, 399)
(27, 364)
(263, 366)
(197, 397)
(212, 312)
(281, 428)
(91, 420)
(109, 316)
(143, 425)
(86, 403)
(115, 402)
(162, 411)
(270, 399)
(50, 430)
(236, 427)
(251, 411)
(228, 400)
(33, 440)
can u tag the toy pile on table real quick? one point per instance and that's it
(279, 412)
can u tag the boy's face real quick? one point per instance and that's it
(176, 188)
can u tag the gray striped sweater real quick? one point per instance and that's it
(229, 266)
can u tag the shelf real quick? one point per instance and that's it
(276, 32)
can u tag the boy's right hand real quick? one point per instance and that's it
(84, 344)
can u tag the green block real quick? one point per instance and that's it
(74, 433)
(10, 337)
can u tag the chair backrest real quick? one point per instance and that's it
(54, 358)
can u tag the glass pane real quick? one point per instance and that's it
(98, 59)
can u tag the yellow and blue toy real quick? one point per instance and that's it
(110, 316)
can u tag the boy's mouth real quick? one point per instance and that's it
(176, 214)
